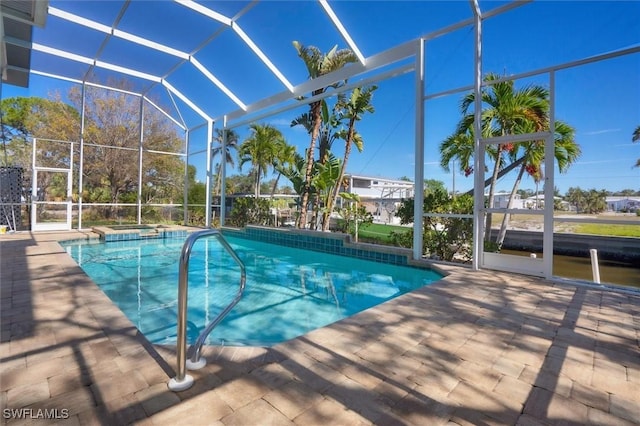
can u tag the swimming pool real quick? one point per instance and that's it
(289, 291)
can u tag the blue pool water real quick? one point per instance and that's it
(289, 292)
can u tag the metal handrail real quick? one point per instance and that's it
(182, 380)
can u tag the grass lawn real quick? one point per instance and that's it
(379, 231)
(606, 229)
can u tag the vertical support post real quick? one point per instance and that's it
(595, 268)
(418, 214)
(223, 171)
(549, 182)
(69, 189)
(209, 172)
(81, 161)
(185, 192)
(34, 184)
(140, 149)
(478, 157)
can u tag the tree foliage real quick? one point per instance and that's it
(635, 138)
(354, 216)
(317, 64)
(250, 211)
(351, 109)
(443, 238)
(111, 175)
(507, 110)
(112, 119)
(587, 201)
(261, 150)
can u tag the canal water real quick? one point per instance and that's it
(611, 272)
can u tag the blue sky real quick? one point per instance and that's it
(601, 101)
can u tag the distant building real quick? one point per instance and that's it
(501, 201)
(623, 203)
(380, 196)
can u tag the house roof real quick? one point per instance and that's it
(18, 17)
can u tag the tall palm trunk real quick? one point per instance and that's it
(494, 181)
(316, 115)
(275, 185)
(505, 219)
(258, 173)
(334, 196)
(216, 189)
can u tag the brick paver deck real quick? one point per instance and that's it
(474, 348)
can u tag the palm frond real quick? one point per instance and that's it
(636, 135)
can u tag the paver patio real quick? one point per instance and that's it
(473, 348)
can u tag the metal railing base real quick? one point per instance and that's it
(197, 365)
(180, 385)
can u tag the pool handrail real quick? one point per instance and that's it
(183, 381)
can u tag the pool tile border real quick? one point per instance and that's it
(332, 243)
(109, 235)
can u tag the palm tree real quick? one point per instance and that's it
(506, 111)
(326, 136)
(352, 109)
(231, 145)
(595, 201)
(323, 177)
(260, 150)
(577, 197)
(285, 154)
(636, 138)
(566, 152)
(294, 171)
(318, 64)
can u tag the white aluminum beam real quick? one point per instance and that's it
(389, 74)
(151, 44)
(140, 155)
(217, 82)
(549, 182)
(207, 220)
(388, 57)
(116, 33)
(205, 11)
(184, 99)
(128, 71)
(342, 30)
(265, 60)
(240, 32)
(520, 137)
(54, 11)
(62, 54)
(223, 171)
(58, 77)
(175, 106)
(89, 61)
(478, 158)
(181, 125)
(418, 203)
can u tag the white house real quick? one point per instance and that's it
(501, 201)
(623, 203)
(380, 196)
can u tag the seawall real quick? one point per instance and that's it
(626, 249)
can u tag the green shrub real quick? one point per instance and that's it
(443, 238)
(249, 211)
